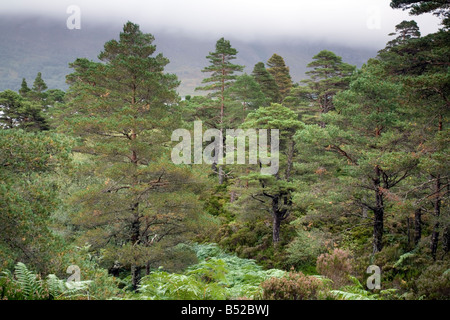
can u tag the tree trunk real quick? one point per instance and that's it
(115, 269)
(437, 213)
(222, 96)
(276, 229)
(378, 230)
(135, 277)
(437, 205)
(408, 231)
(135, 239)
(232, 196)
(378, 213)
(277, 217)
(147, 268)
(221, 174)
(364, 210)
(446, 240)
(434, 240)
(417, 226)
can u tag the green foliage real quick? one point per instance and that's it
(434, 282)
(329, 75)
(170, 286)
(218, 275)
(39, 85)
(270, 193)
(241, 277)
(418, 7)
(267, 83)
(403, 258)
(305, 248)
(29, 192)
(173, 259)
(125, 110)
(26, 285)
(280, 73)
(357, 292)
(19, 112)
(221, 69)
(247, 91)
(222, 76)
(24, 89)
(363, 165)
(251, 237)
(406, 31)
(102, 286)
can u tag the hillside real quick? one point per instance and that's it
(40, 44)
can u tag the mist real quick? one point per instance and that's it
(347, 22)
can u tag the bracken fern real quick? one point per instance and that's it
(26, 285)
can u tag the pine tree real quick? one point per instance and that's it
(329, 76)
(280, 72)
(246, 91)
(124, 110)
(439, 8)
(405, 31)
(368, 133)
(222, 74)
(221, 78)
(39, 84)
(18, 112)
(420, 63)
(24, 88)
(268, 85)
(271, 193)
(38, 90)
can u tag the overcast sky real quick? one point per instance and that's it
(366, 22)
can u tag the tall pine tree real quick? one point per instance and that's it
(367, 133)
(222, 74)
(24, 89)
(268, 85)
(221, 78)
(421, 64)
(280, 72)
(124, 110)
(329, 76)
(271, 193)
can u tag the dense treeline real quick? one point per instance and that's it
(87, 177)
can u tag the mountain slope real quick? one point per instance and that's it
(33, 44)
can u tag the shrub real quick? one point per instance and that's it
(336, 266)
(304, 250)
(101, 285)
(434, 282)
(253, 240)
(294, 286)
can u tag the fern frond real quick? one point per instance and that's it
(356, 282)
(344, 295)
(28, 281)
(322, 278)
(55, 286)
(403, 258)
